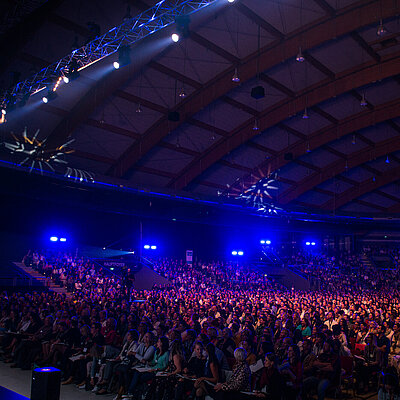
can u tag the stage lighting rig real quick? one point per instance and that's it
(37, 153)
(124, 57)
(71, 73)
(130, 32)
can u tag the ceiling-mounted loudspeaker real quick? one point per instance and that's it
(174, 116)
(288, 156)
(257, 92)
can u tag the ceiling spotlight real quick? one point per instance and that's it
(139, 108)
(51, 95)
(128, 15)
(182, 93)
(235, 77)
(71, 72)
(308, 150)
(255, 127)
(300, 57)
(381, 29)
(353, 140)
(124, 57)
(305, 114)
(387, 161)
(175, 37)
(363, 102)
(3, 111)
(213, 137)
(231, 1)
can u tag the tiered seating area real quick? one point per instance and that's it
(219, 329)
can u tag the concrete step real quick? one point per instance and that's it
(43, 279)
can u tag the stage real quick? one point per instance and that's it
(15, 384)
(10, 395)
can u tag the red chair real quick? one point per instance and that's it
(359, 349)
(347, 375)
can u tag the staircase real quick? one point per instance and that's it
(44, 280)
(366, 262)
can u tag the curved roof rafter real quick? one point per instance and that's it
(327, 28)
(348, 81)
(342, 165)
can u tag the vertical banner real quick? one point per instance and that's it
(189, 257)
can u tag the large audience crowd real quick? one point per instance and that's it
(219, 329)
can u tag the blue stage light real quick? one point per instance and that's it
(262, 241)
(267, 242)
(146, 246)
(53, 239)
(312, 243)
(240, 253)
(63, 239)
(153, 247)
(234, 253)
(308, 243)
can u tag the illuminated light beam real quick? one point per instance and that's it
(131, 31)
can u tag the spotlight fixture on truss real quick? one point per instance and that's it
(163, 14)
(79, 175)
(37, 153)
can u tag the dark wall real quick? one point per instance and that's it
(33, 208)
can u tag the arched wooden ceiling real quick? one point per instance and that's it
(336, 159)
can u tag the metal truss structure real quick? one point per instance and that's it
(160, 16)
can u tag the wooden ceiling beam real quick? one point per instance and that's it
(324, 5)
(369, 204)
(214, 48)
(239, 105)
(174, 74)
(277, 85)
(246, 11)
(318, 65)
(365, 46)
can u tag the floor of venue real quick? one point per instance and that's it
(20, 382)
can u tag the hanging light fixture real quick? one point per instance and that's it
(300, 58)
(139, 108)
(255, 127)
(235, 77)
(353, 140)
(363, 102)
(308, 150)
(305, 114)
(381, 30)
(182, 93)
(387, 161)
